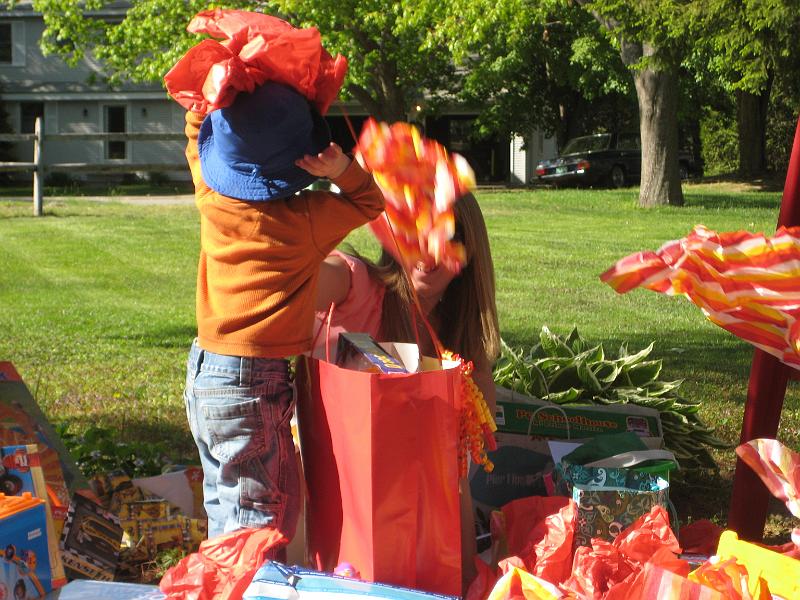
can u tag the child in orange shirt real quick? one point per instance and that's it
(262, 239)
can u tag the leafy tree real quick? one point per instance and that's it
(751, 42)
(647, 36)
(393, 64)
(390, 66)
(651, 37)
(542, 66)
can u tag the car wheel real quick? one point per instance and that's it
(683, 171)
(617, 177)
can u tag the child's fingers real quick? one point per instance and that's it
(324, 163)
(332, 152)
(312, 164)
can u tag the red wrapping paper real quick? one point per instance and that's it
(223, 566)
(254, 48)
(608, 570)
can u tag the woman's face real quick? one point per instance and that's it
(431, 282)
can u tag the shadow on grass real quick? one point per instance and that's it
(173, 188)
(707, 495)
(701, 495)
(722, 201)
(769, 182)
(168, 338)
(130, 428)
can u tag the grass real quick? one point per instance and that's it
(98, 305)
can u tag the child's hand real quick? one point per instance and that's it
(329, 163)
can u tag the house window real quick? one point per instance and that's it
(28, 113)
(6, 45)
(115, 119)
(460, 134)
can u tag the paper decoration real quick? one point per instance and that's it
(747, 283)
(255, 48)
(779, 469)
(420, 181)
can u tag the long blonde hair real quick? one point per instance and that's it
(467, 313)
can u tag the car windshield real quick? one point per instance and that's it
(589, 143)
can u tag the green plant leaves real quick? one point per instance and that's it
(98, 450)
(554, 345)
(563, 370)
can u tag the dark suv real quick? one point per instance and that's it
(602, 159)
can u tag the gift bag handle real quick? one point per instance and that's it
(327, 334)
(329, 318)
(546, 406)
(437, 344)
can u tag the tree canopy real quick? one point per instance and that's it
(391, 66)
(566, 67)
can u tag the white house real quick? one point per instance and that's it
(70, 100)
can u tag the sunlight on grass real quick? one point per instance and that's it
(98, 299)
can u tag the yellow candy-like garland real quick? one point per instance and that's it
(477, 425)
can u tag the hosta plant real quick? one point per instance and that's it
(569, 370)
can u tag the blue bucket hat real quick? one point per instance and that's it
(247, 150)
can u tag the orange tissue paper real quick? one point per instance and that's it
(252, 48)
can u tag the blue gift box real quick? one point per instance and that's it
(25, 561)
(274, 581)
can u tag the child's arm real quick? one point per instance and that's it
(193, 121)
(333, 284)
(333, 216)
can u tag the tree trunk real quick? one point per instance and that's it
(751, 121)
(571, 117)
(656, 90)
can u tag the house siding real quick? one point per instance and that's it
(75, 98)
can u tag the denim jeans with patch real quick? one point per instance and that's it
(239, 411)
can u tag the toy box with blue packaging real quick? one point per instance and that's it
(25, 571)
(20, 472)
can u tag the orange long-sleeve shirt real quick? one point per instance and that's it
(259, 261)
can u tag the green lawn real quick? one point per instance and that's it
(97, 303)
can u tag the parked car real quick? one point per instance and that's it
(608, 159)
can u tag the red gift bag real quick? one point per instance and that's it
(380, 454)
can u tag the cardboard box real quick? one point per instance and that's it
(90, 542)
(523, 462)
(25, 570)
(517, 413)
(22, 422)
(20, 472)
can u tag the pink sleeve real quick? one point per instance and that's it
(359, 312)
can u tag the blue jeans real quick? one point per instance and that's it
(239, 411)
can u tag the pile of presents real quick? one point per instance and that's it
(57, 526)
(576, 506)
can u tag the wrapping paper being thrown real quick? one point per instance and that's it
(420, 181)
(779, 469)
(747, 283)
(254, 48)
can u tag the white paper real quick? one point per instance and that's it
(560, 449)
